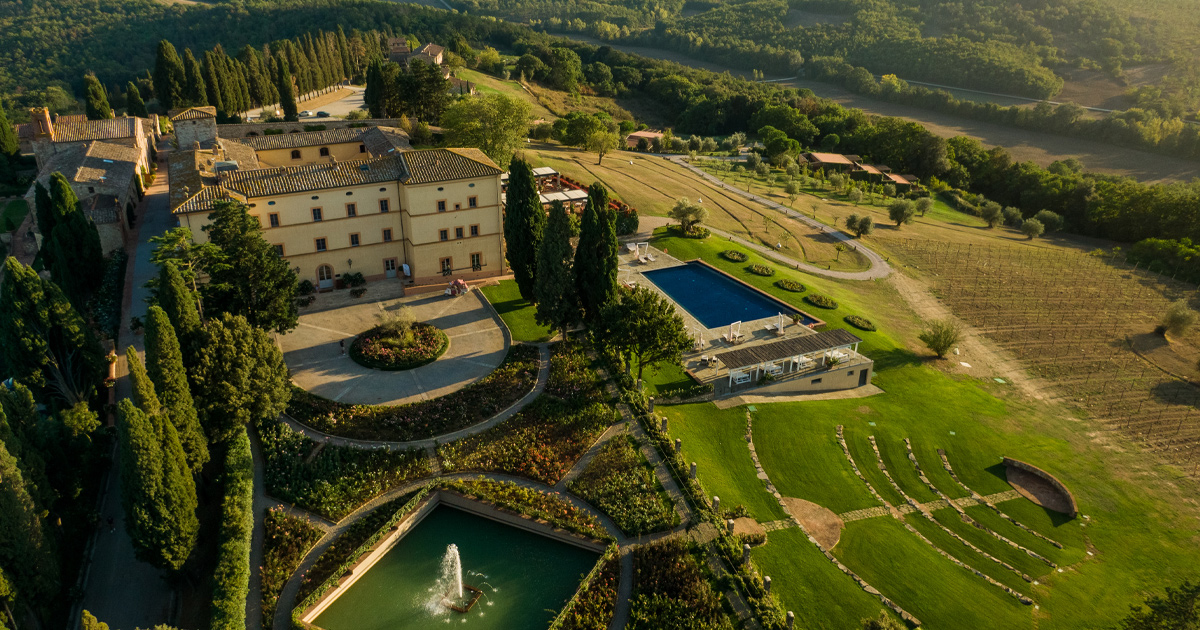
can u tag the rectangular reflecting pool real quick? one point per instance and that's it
(525, 578)
(714, 298)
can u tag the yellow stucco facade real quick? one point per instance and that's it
(311, 155)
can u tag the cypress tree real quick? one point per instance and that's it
(76, 256)
(24, 547)
(194, 91)
(135, 106)
(241, 376)
(44, 343)
(62, 201)
(373, 94)
(42, 206)
(596, 256)
(287, 94)
(557, 300)
(524, 222)
(169, 77)
(212, 83)
(164, 363)
(143, 395)
(179, 305)
(157, 491)
(9, 145)
(96, 99)
(248, 278)
(21, 430)
(343, 46)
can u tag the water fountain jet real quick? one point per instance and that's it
(456, 596)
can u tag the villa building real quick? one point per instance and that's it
(352, 200)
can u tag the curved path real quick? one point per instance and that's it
(431, 443)
(879, 266)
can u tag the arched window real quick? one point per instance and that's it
(324, 151)
(296, 154)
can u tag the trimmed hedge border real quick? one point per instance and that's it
(365, 361)
(734, 255)
(859, 322)
(820, 300)
(232, 574)
(609, 554)
(761, 270)
(788, 284)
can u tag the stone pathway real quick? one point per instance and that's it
(431, 443)
(774, 526)
(879, 266)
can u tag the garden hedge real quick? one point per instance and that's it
(790, 285)
(761, 270)
(820, 300)
(734, 255)
(232, 574)
(860, 323)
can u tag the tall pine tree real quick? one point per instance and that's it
(524, 222)
(194, 90)
(96, 99)
(557, 300)
(169, 77)
(44, 343)
(134, 105)
(164, 364)
(157, 490)
(596, 255)
(248, 277)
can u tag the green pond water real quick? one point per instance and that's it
(526, 578)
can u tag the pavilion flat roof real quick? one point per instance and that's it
(784, 348)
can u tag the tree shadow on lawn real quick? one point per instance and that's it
(894, 358)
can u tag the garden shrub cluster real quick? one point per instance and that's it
(820, 300)
(761, 270)
(339, 478)
(470, 405)
(860, 322)
(687, 391)
(596, 600)
(734, 255)
(354, 279)
(231, 578)
(627, 220)
(106, 303)
(548, 436)
(766, 607)
(380, 349)
(551, 508)
(621, 483)
(693, 231)
(671, 589)
(286, 539)
(790, 285)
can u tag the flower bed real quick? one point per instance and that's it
(790, 285)
(859, 322)
(572, 375)
(285, 541)
(761, 270)
(820, 301)
(594, 604)
(734, 255)
(671, 589)
(548, 507)
(470, 405)
(542, 442)
(380, 349)
(621, 482)
(338, 479)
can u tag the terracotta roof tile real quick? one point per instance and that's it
(194, 113)
(381, 141)
(304, 139)
(439, 165)
(293, 179)
(107, 129)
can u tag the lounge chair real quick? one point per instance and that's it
(649, 256)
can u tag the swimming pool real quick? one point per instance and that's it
(716, 299)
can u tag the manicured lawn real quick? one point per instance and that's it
(1046, 522)
(938, 592)
(14, 214)
(670, 376)
(808, 584)
(1023, 562)
(1072, 551)
(716, 440)
(947, 543)
(516, 312)
(895, 457)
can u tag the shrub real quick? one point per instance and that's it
(272, 132)
(1052, 221)
(1177, 319)
(286, 539)
(790, 285)
(734, 255)
(860, 322)
(106, 303)
(305, 287)
(596, 600)
(306, 300)
(670, 589)
(940, 336)
(820, 300)
(760, 270)
(695, 231)
(232, 574)
(627, 221)
(1032, 228)
(384, 348)
(354, 279)
(358, 292)
(620, 482)
(314, 127)
(1012, 216)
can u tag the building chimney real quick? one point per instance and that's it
(41, 120)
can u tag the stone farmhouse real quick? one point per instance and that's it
(348, 200)
(104, 160)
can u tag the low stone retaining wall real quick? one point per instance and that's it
(1072, 509)
(992, 506)
(243, 130)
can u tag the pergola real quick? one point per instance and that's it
(787, 355)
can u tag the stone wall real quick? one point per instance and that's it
(247, 129)
(1073, 510)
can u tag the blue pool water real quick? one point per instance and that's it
(714, 298)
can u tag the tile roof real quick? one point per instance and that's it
(62, 119)
(293, 179)
(431, 49)
(94, 162)
(804, 344)
(828, 158)
(870, 169)
(439, 165)
(107, 129)
(238, 152)
(381, 141)
(899, 179)
(303, 139)
(204, 200)
(194, 113)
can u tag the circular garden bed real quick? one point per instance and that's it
(399, 348)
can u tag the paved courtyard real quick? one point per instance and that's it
(313, 354)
